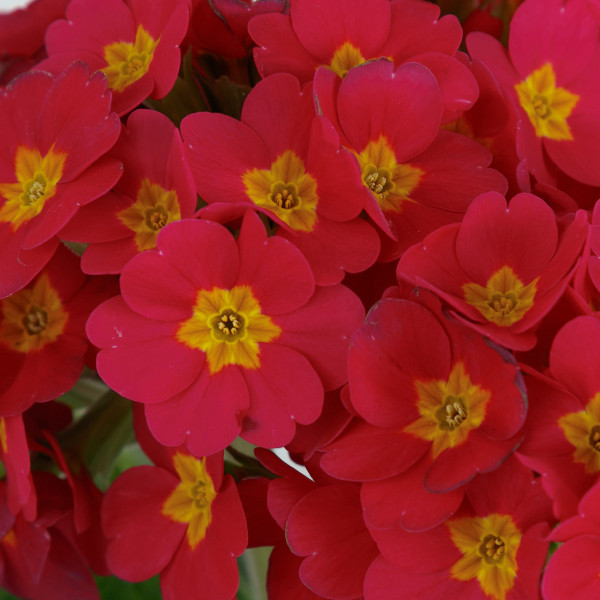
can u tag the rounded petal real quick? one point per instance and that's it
(132, 519)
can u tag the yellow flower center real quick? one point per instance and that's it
(33, 317)
(154, 208)
(582, 430)
(287, 190)
(228, 326)
(126, 62)
(489, 546)
(547, 106)
(37, 177)
(504, 300)
(344, 58)
(392, 183)
(449, 410)
(191, 500)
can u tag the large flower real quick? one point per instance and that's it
(287, 163)
(213, 335)
(503, 267)
(432, 394)
(415, 177)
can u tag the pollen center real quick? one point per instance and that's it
(284, 195)
(127, 62)
(34, 189)
(594, 438)
(228, 326)
(504, 300)
(489, 547)
(452, 413)
(492, 549)
(191, 501)
(286, 190)
(33, 317)
(582, 431)
(547, 106)
(35, 321)
(391, 183)
(156, 218)
(37, 177)
(154, 208)
(449, 409)
(379, 181)
(503, 304)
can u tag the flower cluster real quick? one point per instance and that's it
(365, 231)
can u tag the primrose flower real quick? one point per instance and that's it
(192, 510)
(219, 332)
(155, 190)
(562, 439)
(43, 344)
(502, 268)
(56, 130)
(285, 162)
(549, 74)
(135, 44)
(493, 549)
(342, 34)
(433, 394)
(389, 118)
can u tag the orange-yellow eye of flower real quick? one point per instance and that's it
(127, 62)
(229, 326)
(489, 548)
(449, 409)
(287, 190)
(504, 300)
(191, 501)
(582, 430)
(344, 58)
(37, 178)
(32, 317)
(547, 106)
(153, 208)
(392, 183)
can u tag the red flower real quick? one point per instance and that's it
(134, 43)
(156, 189)
(573, 568)
(550, 76)
(43, 344)
(390, 119)
(196, 514)
(448, 404)
(285, 162)
(55, 131)
(563, 430)
(342, 34)
(219, 332)
(503, 267)
(494, 549)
